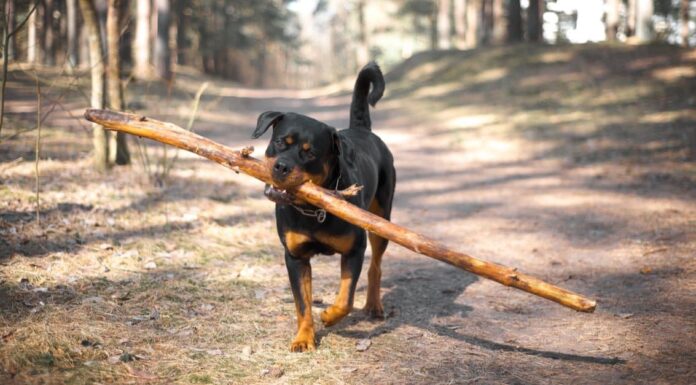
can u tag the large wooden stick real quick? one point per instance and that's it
(241, 161)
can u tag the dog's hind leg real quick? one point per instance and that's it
(378, 245)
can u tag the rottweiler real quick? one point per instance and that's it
(304, 148)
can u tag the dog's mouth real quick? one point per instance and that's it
(278, 195)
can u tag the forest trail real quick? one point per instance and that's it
(575, 174)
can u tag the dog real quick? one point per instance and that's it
(305, 149)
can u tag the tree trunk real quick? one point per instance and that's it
(162, 59)
(96, 61)
(631, 18)
(535, 32)
(499, 27)
(141, 45)
(443, 24)
(10, 14)
(118, 147)
(473, 20)
(514, 24)
(125, 50)
(612, 19)
(684, 21)
(433, 28)
(644, 24)
(49, 33)
(31, 37)
(460, 23)
(363, 50)
(182, 41)
(72, 35)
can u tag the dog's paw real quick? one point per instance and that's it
(303, 342)
(333, 314)
(300, 346)
(374, 310)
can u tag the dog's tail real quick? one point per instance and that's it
(359, 109)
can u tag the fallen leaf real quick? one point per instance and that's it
(646, 270)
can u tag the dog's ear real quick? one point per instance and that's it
(265, 120)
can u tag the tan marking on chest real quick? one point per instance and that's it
(340, 243)
(294, 241)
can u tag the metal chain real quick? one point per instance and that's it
(320, 214)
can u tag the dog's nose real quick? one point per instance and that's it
(280, 168)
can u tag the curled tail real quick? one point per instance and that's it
(359, 109)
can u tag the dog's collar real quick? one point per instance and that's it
(320, 214)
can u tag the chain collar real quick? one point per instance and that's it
(320, 214)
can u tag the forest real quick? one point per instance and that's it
(557, 137)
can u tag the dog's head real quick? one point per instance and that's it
(301, 148)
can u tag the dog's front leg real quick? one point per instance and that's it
(300, 274)
(351, 265)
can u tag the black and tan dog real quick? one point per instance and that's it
(305, 148)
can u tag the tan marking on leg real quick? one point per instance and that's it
(304, 340)
(342, 306)
(373, 303)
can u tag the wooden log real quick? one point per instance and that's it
(241, 161)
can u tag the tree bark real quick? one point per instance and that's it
(141, 45)
(72, 34)
(443, 24)
(96, 55)
(612, 19)
(474, 15)
(118, 146)
(162, 57)
(514, 24)
(684, 21)
(241, 161)
(644, 24)
(535, 32)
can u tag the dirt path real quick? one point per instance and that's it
(476, 175)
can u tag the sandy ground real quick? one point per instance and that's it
(588, 209)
